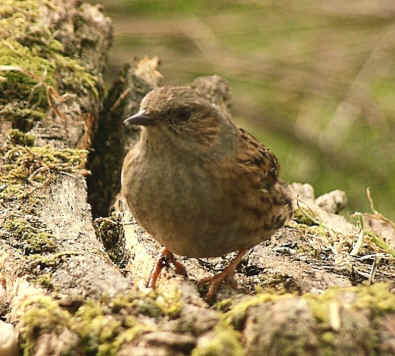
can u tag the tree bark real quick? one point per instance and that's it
(71, 285)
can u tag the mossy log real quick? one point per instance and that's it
(74, 286)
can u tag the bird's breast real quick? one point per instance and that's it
(197, 206)
(180, 202)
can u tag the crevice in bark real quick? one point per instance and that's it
(111, 140)
(60, 291)
(104, 162)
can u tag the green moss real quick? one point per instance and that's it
(31, 237)
(134, 330)
(36, 71)
(21, 114)
(315, 240)
(99, 333)
(101, 330)
(223, 305)
(226, 342)
(137, 304)
(155, 304)
(75, 77)
(20, 138)
(328, 337)
(381, 245)
(305, 216)
(45, 281)
(338, 311)
(26, 75)
(169, 301)
(319, 240)
(102, 326)
(41, 314)
(51, 260)
(102, 333)
(31, 61)
(376, 298)
(95, 328)
(236, 314)
(24, 169)
(105, 325)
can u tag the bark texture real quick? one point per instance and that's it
(71, 285)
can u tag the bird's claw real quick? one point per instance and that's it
(216, 281)
(165, 260)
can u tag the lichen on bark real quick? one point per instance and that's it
(68, 295)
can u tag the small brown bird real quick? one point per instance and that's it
(198, 184)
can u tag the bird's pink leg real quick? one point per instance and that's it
(165, 259)
(226, 274)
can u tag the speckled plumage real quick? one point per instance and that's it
(198, 184)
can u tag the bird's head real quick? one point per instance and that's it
(178, 113)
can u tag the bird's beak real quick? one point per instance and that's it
(140, 118)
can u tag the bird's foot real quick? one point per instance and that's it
(165, 260)
(226, 275)
(215, 282)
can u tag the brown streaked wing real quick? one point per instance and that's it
(257, 160)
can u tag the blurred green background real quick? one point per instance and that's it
(313, 80)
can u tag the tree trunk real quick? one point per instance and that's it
(71, 285)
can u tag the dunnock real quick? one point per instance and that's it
(198, 184)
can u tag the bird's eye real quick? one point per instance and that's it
(182, 114)
(179, 114)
